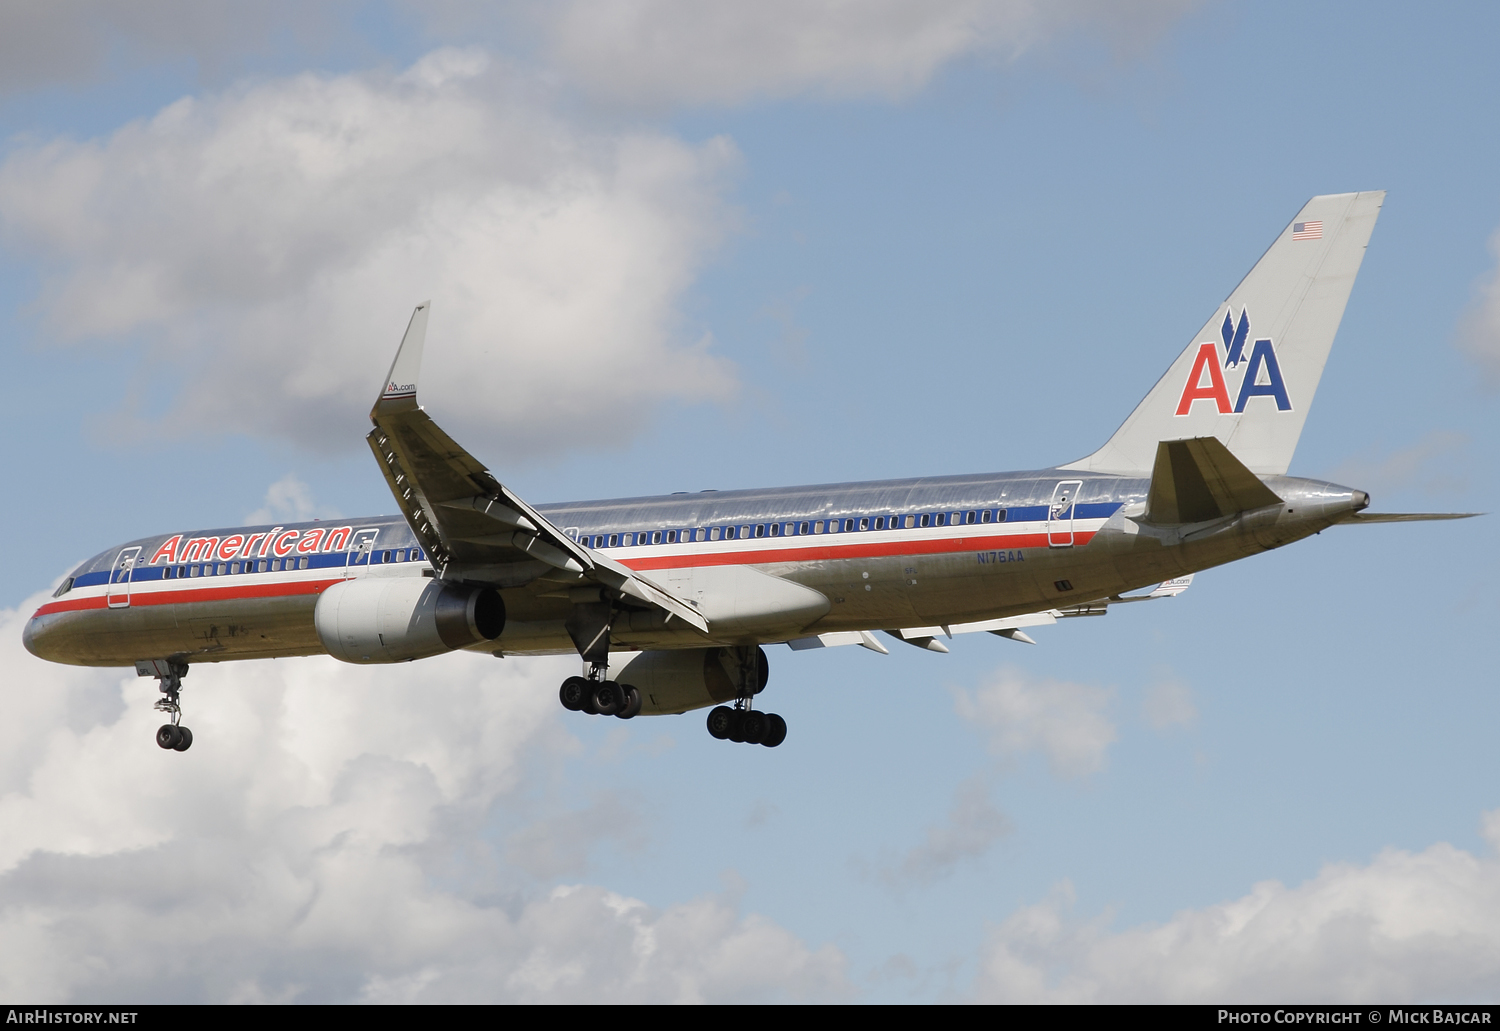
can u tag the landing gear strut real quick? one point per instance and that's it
(169, 676)
(742, 722)
(589, 626)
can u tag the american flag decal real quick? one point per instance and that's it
(1307, 230)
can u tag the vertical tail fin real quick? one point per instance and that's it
(1249, 376)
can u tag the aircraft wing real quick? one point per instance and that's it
(1009, 627)
(470, 524)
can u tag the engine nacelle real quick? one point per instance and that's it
(393, 619)
(676, 681)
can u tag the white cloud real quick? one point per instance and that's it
(693, 53)
(1068, 722)
(69, 41)
(336, 833)
(288, 500)
(269, 243)
(1168, 702)
(1404, 928)
(973, 825)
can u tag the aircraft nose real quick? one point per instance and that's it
(31, 637)
(36, 638)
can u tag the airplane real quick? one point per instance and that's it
(696, 585)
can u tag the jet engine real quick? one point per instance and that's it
(393, 619)
(676, 681)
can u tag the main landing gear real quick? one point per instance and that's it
(169, 674)
(742, 722)
(748, 725)
(599, 697)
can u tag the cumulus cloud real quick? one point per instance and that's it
(1405, 928)
(1168, 703)
(269, 243)
(336, 833)
(1068, 722)
(48, 42)
(972, 826)
(289, 500)
(689, 52)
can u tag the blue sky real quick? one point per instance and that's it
(674, 247)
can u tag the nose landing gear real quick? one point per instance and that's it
(169, 674)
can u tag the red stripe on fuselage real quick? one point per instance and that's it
(874, 549)
(284, 589)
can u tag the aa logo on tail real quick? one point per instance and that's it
(1206, 380)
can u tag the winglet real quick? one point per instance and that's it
(400, 391)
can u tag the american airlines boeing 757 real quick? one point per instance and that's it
(695, 585)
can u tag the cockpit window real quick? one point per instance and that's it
(63, 588)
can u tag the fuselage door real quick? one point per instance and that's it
(1060, 514)
(359, 550)
(118, 594)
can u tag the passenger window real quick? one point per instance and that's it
(656, 537)
(880, 522)
(970, 517)
(775, 529)
(760, 529)
(986, 516)
(418, 555)
(385, 556)
(671, 536)
(744, 532)
(1000, 515)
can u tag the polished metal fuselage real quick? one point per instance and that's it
(878, 552)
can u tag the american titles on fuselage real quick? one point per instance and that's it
(1262, 364)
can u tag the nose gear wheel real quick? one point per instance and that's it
(169, 736)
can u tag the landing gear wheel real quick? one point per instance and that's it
(608, 699)
(753, 727)
(184, 739)
(719, 720)
(573, 693)
(632, 704)
(775, 730)
(168, 736)
(737, 725)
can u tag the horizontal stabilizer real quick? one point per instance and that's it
(1196, 480)
(1405, 517)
